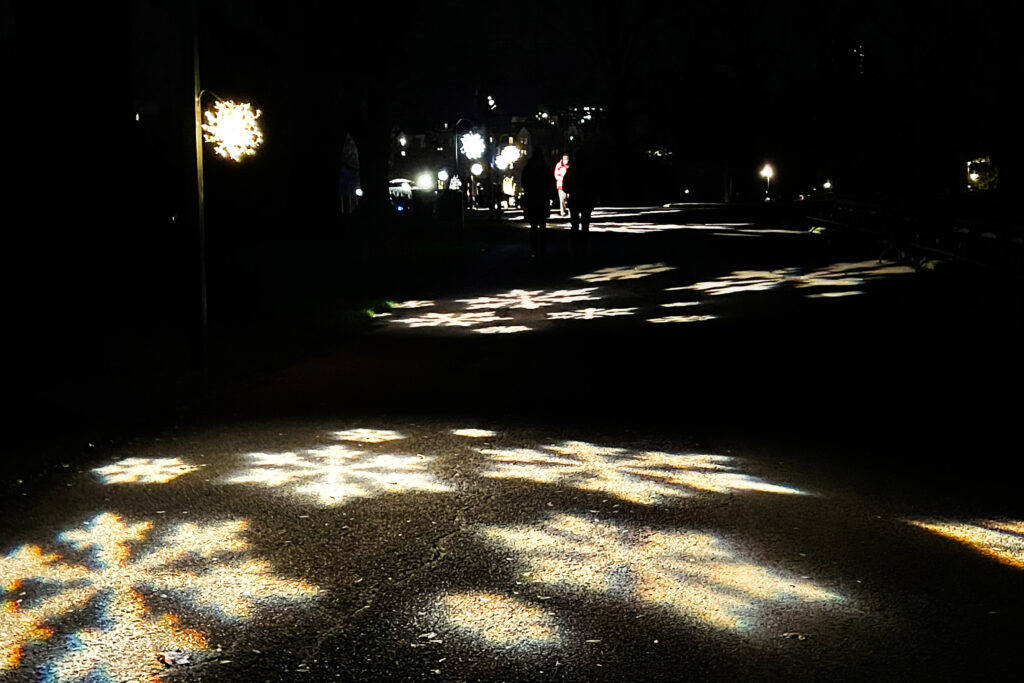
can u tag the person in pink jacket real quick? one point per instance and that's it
(560, 168)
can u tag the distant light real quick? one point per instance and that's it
(974, 177)
(359, 192)
(402, 141)
(473, 145)
(233, 129)
(406, 186)
(508, 156)
(136, 117)
(442, 175)
(400, 207)
(424, 181)
(827, 185)
(544, 115)
(476, 169)
(767, 171)
(403, 152)
(686, 192)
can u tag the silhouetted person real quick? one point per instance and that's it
(579, 186)
(538, 190)
(560, 168)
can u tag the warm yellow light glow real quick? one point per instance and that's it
(644, 477)
(204, 566)
(1000, 540)
(368, 435)
(413, 304)
(334, 474)
(681, 319)
(590, 313)
(835, 275)
(144, 470)
(474, 433)
(451, 319)
(503, 329)
(767, 171)
(499, 619)
(233, 129)
(693, 574)
(625, 272)
(530, 299)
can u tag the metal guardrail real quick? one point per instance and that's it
(917, 238)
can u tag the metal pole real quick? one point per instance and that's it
(203, 335)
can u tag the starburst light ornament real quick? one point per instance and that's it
(233, 129)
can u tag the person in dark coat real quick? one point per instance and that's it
(538, 189)
(581, 191)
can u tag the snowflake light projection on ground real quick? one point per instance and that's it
(503, 329)
(530, 299)
(1001, 540)
(498, 619)
(625, 272)
(207, 567)
(413, 303)
(833, 276)
(681, 319)
(333, 474)
(637, 476)
(692, 574)
(144, 470)
(590, 313)
(363, 435)
(451, 319)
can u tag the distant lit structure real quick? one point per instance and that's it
(982, 174)
(233, 129)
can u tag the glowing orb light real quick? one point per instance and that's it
(473, 145)
(476, 169)
(508, 156)
(424, 181)
(233, 129)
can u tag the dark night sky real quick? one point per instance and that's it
(891, 95)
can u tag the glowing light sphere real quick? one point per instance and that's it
(233, 129)
(442, 175)
(827, 185)
(424, 181)
(767, 171)
(476, 169)
(473, 145)
(508, 157)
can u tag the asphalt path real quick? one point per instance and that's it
(716, 446)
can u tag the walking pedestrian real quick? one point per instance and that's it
(560, 169)
(579, 186)
(538, 191)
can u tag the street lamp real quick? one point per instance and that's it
(767, 172)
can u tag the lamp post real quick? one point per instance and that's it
(767, 172)
(235, 134)
(455, 147)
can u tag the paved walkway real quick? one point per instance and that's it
(716, 448)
